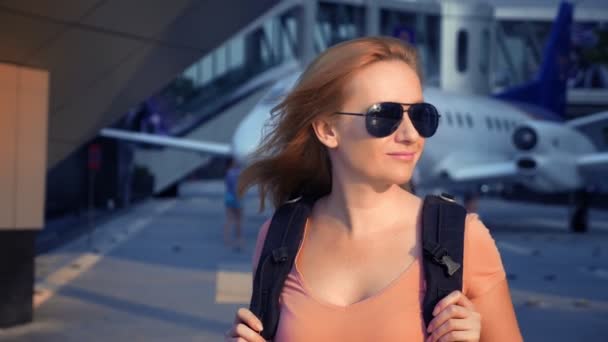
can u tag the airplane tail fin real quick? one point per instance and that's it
(548, 89)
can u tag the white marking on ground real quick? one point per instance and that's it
(511, 247)
(47, 287)
(233, 284)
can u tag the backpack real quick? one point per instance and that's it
(442, 241)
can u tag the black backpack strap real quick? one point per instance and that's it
(276, 260)
(443, 243)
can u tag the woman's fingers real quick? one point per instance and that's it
(241, 332)
(456, 297)
(246, 327)
(458, 336)
(246, 316)
(455, 320)
(464, 301)
(452, 311)
(248, 334)
(446, 327)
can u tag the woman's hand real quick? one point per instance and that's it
(455, 320)
(246, 328)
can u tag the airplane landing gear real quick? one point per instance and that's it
(579, 218)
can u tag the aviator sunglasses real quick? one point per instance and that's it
(382, 119)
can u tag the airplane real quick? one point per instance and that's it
(519, 136)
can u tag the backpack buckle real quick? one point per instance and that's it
(451, 265)
(440, 256)
(280, 254)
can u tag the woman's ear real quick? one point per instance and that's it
(326, 132)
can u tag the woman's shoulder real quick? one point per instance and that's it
(414, 200)
(483, 267)
(475, 230)
(257, 251)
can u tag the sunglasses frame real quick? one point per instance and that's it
(376, 107)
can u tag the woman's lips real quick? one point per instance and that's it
(403, 155)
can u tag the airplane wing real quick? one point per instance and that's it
(594, 168)
(594, 163)
(178, 143)
(493, 171)
(595, 127)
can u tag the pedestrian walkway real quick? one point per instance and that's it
(158, 272)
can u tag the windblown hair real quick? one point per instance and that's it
(291, 161)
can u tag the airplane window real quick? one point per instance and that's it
(449, 115)
(506, 123)
(469, 120)
(459, 119)
(489, 122)
(462, 51)
(497, 122)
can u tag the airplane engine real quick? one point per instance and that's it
(547, 154)
(548, 159)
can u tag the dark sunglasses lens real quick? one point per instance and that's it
(383, 119)
(425, 118)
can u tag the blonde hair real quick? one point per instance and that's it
(291, 161)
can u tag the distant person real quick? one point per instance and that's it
(233, 208)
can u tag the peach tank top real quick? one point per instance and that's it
(393, 314)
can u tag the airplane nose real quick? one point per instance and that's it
(525, 138)
(241, 153)
(244, 141)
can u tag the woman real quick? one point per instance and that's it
(233, 207)
(357, 275)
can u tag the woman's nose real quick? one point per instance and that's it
(406, 130)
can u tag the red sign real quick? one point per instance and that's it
(94, 157)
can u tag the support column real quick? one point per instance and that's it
(372, 18)
(307, 22)
(466, 45)
(24, 94)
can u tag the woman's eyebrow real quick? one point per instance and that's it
(412, 102)
(417, 100)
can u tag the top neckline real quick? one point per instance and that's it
(365, 301)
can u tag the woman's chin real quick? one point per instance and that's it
(402, 180)
(397, 180)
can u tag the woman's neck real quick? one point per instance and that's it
(361, 209)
